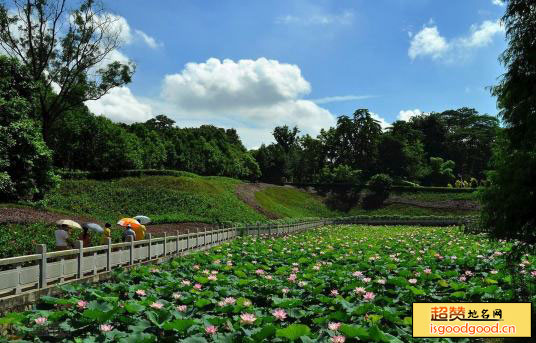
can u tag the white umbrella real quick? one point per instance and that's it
(143, 219)
(93, 227)
(69, 223)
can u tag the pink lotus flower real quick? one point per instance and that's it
(382, 281)
(40, 321)
(268, 277)
(412, 281)
(181, 308)
(246, 303)
(533, 273)
(206, 272)
(186, 283)
(427, 271)
(292, 277)
(285, 290)
(259, 272)
(229, 301)
(493, 272)
(302, 283)
(196, 267)
(81, 304)
(157, 305)
(357, 274)
(198, 286)
(369, 296)
(280, 314)
(105, 328)
(462, 278)
(140, 292)
(176, 296)
(214, 272)
(360, 290)
(468, 273)
(334, 292)
(366, 280)
(248, 318)
(338, 339)
(334, 326)
(212, 277)
(154, 270)
(211, 329)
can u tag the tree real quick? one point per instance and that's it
(63, 50)
(25, 160)
(441, 172)
(509, 204)
(286, 137)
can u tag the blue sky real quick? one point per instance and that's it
(253, 65)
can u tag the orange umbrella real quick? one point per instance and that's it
(129, 221)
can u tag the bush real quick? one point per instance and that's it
(474, 182)
(380, 186)
(458, 184)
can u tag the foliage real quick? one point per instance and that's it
(380, 186)
(63, 49)
(361, 277)
(440, 173)
(510, 200)
(163, 198)
(25, 161)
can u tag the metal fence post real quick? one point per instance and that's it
(80, 258)
(42, 249)
(165, 243)
(131, 258)
(109, 254)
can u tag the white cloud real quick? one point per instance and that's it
(408, 114)
(255, 94)
(383, 123)
(150, 41)
(340, 98)
(345, 18)
(498, 2)
(429, 43)
(483, 34)
(120, 105)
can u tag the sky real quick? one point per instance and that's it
(254, 65)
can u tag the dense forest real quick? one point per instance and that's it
(431, 149)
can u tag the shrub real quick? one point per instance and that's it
(458, 184)
(474, 182)
(380, 186)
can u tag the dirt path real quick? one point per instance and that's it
(246, 193)
(20, 215)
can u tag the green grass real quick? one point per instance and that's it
(163, 198)
(290, 202)
(430, 196)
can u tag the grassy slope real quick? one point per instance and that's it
(163, 198)
(288, 202)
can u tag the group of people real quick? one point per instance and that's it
(65, 241)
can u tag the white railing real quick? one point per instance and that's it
(25, 274)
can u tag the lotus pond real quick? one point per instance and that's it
(333, 284)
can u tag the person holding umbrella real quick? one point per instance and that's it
(63, 234)
(85, 237)
(128, 232)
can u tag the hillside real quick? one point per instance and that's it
(178, 203)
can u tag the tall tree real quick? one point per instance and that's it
(509, 204)
(64, 50)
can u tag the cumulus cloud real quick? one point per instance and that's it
(344, 18)
(383, 123)
(256, 94)
(120, 105)
(498, 2)
(406, 115)
(150, 41)
(429, 43)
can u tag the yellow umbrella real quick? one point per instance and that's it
(69, 223)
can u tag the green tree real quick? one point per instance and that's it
(25, 160)
(509, 204)
(65, 50)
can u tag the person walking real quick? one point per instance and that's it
(106, 233)
(63, 237)
(85, 237)
(128, 232)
